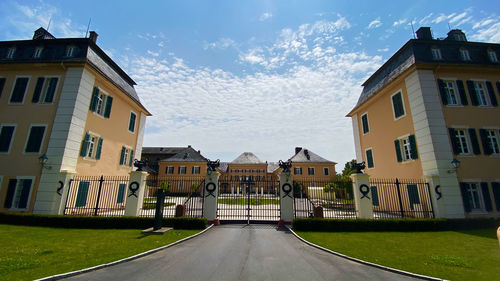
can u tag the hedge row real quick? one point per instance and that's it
(98, 222)
(359, 225)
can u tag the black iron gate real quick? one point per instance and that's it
(248, 199)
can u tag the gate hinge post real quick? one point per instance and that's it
(286, 197)
(362, 195)
(211, 193)
(135, 193)
(64, 181)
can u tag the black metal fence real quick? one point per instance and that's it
(96, 196)
(248, 200)
(335, 197)
(179, 191)
(395, 198)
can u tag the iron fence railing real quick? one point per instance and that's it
(96, 196)
(401, 198)
(334, 196)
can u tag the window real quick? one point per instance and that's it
(6, 136)
(364, 120)
(490, 141)
(2, 83)
(450, 92)
(45, 90)
(181, 170)
(369, 158)
(406, 148)
(127, 156)
(476, 196)
(19, 90)
(473, 196)
(35, 138)
(326, 171)
(169, 170)
(397, 105)
(70, 51)
(463, 143)
(81, 196)
(120, 198)
(436, 54)
(310, 171)
(10, 53)
(91, 146)
(374, 195)
(38, 52)
(297, 171)
(131, 122)
(195, 170)
(18, 193)
(464, 54)
(101, 103)
(413, 196)
(492, 56)
(181, 185)
(481, 93)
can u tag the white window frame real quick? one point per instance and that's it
(298, 169)
(450, 88)
(461, 143)
(309, 169)
(70, 51)
(464, 54)
(94, 146)
(12, 138)
(367, 122)
(326, 169)
(196, 169)
(126, 156)
(28, 137)
(11, 52)
(436, 53)
(493, 141)
(473, 206)
(167, 169)
(100, 105)
(38, 52)
(14, 86)
(18, 178)
(179, 170)
(400, 91)
(45, 88)
(492, 55)
(135, 122)
(484, 99)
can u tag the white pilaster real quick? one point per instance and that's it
(357, 141)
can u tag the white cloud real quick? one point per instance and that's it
(383, 50)
(443, 17)
(375, 23)
(265, 16)
(154, 54)
(458, 17)
(489, 33)
(222, 43)
(399, 22)
(426, 19)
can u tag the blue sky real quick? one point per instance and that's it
(259, 76)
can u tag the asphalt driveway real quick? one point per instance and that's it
(241, 252)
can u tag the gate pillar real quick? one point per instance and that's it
(362, 195)
(135, 193)
(436, 196)
(286, 197)
(64, 181)
(210, 195)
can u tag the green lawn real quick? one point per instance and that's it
(148, 206)
(464, 255)
(244, 201)
(29, 253)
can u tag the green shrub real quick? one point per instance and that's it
(98, 222)
(355, 225)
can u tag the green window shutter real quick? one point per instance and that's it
(493, 99)
(2, 84)
(495, 187)
(369, 158)
(465, 196)
(11, 190)
(93, 100)
(364, 120)
(413, 195)
(107, 110)
(192, 170)
(19, 90)
(472, 93)
(49, 98)
(131, 124)
(25, 193)
(484, 139)
(81, 197)
(397, 102)
(121, 193)
(442, 91)
(85, 145)
(475, 143)
(486, 196)
(38, 90)
(131, 160)
(6, 138)
(375, 195)
(498, 88)
(413, 147)
(35, 139)
(461, 91)
(98, 150)
(453, 140)
(398, 151)
(122, 156)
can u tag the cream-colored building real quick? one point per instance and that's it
(432, 105)
(65, 103)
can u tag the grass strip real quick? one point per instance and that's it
(244, 201)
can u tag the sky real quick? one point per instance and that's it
(229, 77)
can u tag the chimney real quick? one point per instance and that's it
(306, 152)
(424, 33)
(93, 36)
(41, 34)
(297, 149)
(189, 145)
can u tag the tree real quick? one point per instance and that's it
(331, 187)
(349, 168)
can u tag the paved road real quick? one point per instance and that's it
(240, 252)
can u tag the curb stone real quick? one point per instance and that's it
(93, 268)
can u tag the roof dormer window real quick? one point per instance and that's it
(436, 53)
(10, 53)
(460, 37)
(464, 54)
(492, 56)
(70, 51)
(37, 53)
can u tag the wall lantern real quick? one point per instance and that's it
(43, 161)
(455, 163)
